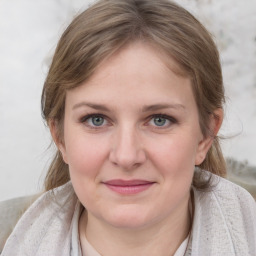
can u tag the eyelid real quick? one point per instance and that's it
(86, 117)
(168, 117)
(171, 119)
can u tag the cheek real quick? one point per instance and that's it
(174, 160)
(86, 159)
(175, 155)
(85, 154)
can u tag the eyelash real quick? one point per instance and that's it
(171, 119)
(85, 119)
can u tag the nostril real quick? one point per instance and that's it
(126, 148)
(127, 160)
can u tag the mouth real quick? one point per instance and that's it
(128, 187)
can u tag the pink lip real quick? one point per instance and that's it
(128, 187)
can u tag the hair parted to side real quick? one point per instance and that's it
(105, 28)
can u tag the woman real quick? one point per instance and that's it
(133, 100)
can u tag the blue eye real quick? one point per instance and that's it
(96, 120)
(162, 121)
(159, 121)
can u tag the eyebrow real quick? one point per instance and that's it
(91, 105)
(162, 106)
(146, 108)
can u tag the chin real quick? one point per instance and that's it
(128, 218)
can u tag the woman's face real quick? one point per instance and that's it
(132, 139)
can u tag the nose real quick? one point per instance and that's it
(127, 151)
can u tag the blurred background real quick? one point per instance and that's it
(29, 31)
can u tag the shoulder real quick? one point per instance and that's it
(225, 190)
(226, 216)
(228, 196)
(236, 204)
(10, 212)
(45, 222)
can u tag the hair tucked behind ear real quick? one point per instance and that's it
(109, 25)
(58, 173)
(214, 163)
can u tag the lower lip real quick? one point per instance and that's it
(129, 190)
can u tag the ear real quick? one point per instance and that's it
(204, 145)
(59, 142)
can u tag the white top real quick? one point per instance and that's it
(224, 223)
(182, 249)
(88, 250)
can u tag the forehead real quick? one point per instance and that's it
(137, 73)
(141, 52)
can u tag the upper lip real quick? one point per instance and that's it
(119, 182)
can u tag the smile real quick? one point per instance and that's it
(128, 187)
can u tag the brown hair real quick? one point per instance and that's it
(109, 25)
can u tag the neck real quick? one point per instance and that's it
(162, 238)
